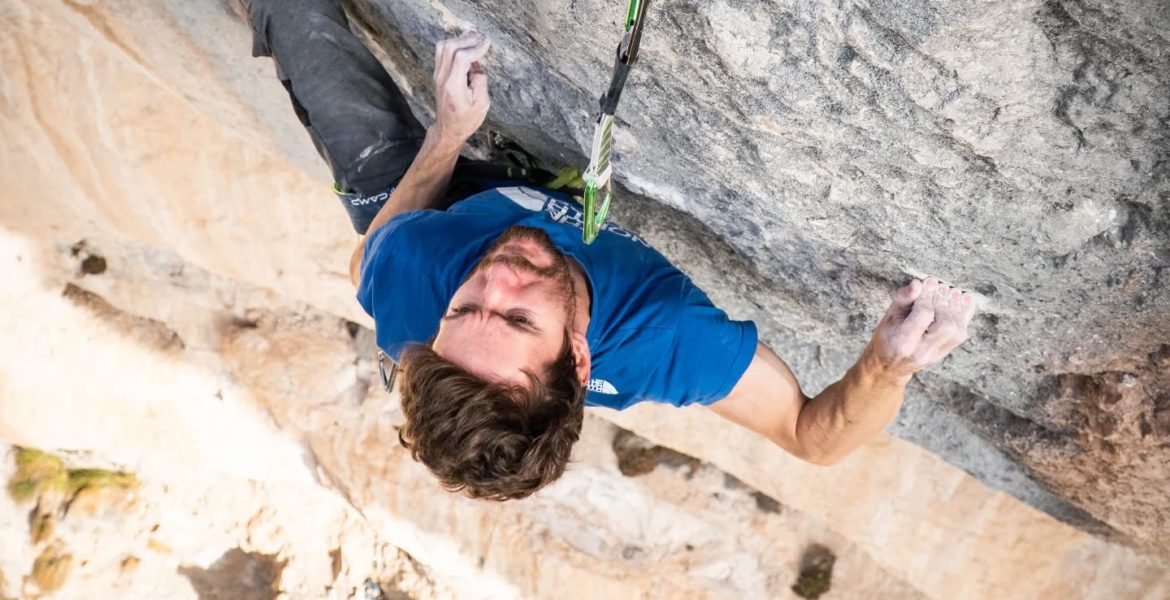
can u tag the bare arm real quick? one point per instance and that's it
(462, 102)
(924, 323)
(421, 187)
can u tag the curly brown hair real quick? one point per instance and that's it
(493, 441)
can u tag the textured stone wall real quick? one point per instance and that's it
(829, 151)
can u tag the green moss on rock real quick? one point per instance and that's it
(38, 472)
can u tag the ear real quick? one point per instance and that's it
(582, 356)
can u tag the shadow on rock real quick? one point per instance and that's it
(237, 575)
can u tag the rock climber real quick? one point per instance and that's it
(506, 324)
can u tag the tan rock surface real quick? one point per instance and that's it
(923, 519)
(235, 433)
(216, 474)
(217, 439)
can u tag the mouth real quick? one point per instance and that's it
(526, 249)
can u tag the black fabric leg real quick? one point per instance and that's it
(357, 118)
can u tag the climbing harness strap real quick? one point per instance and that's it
(597, 174)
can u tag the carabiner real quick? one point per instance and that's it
(635, 14)
(387, 380)
(597, 175)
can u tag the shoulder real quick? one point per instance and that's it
(377, 244)
(705, 354)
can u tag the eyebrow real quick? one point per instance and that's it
(530, 330)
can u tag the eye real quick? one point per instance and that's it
(462, 310)
(518, 319)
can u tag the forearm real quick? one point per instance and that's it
(850, 411)
(420, 188)
(923, 324)
(425, 181)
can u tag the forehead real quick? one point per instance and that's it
(496, 352)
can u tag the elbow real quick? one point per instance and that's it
(821, 455)
(816, 445)
(821, 458)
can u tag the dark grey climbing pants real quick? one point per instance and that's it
(356, 116)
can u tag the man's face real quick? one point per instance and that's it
(511, 314)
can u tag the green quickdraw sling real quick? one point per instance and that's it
(597, 174)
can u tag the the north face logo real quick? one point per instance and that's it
(602, 386)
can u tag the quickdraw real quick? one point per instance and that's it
(597, 174)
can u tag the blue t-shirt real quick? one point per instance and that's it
(653, 335)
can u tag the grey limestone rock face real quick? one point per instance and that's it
(800, 159)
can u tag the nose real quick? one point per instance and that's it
(501, 280)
